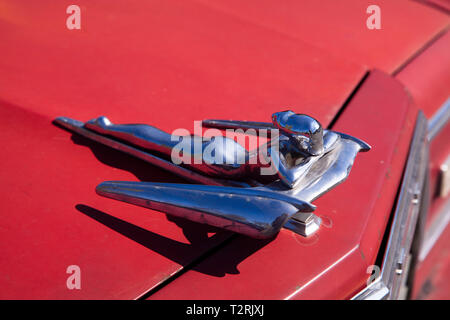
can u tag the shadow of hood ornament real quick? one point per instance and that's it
(235, 193)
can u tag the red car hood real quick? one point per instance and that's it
(165, 65)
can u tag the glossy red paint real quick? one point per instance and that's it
(162, 63)
(340, 26)
(136, 62)
(332, 264)
(428, 75)
(168, 65)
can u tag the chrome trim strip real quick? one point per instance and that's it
(376, 291)
(439, 120)
(394, 270)
(435, 230)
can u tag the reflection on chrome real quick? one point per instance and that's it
(238, 195)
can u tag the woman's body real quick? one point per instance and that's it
(217, 156)
(300, 144)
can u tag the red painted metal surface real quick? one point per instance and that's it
(136, 62)
(331, 264)
(427, 77)
(340, 26)
(167, 65)
(164, 64)
(443, 5)
(52, 218)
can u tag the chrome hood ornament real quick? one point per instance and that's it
(254, 192)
